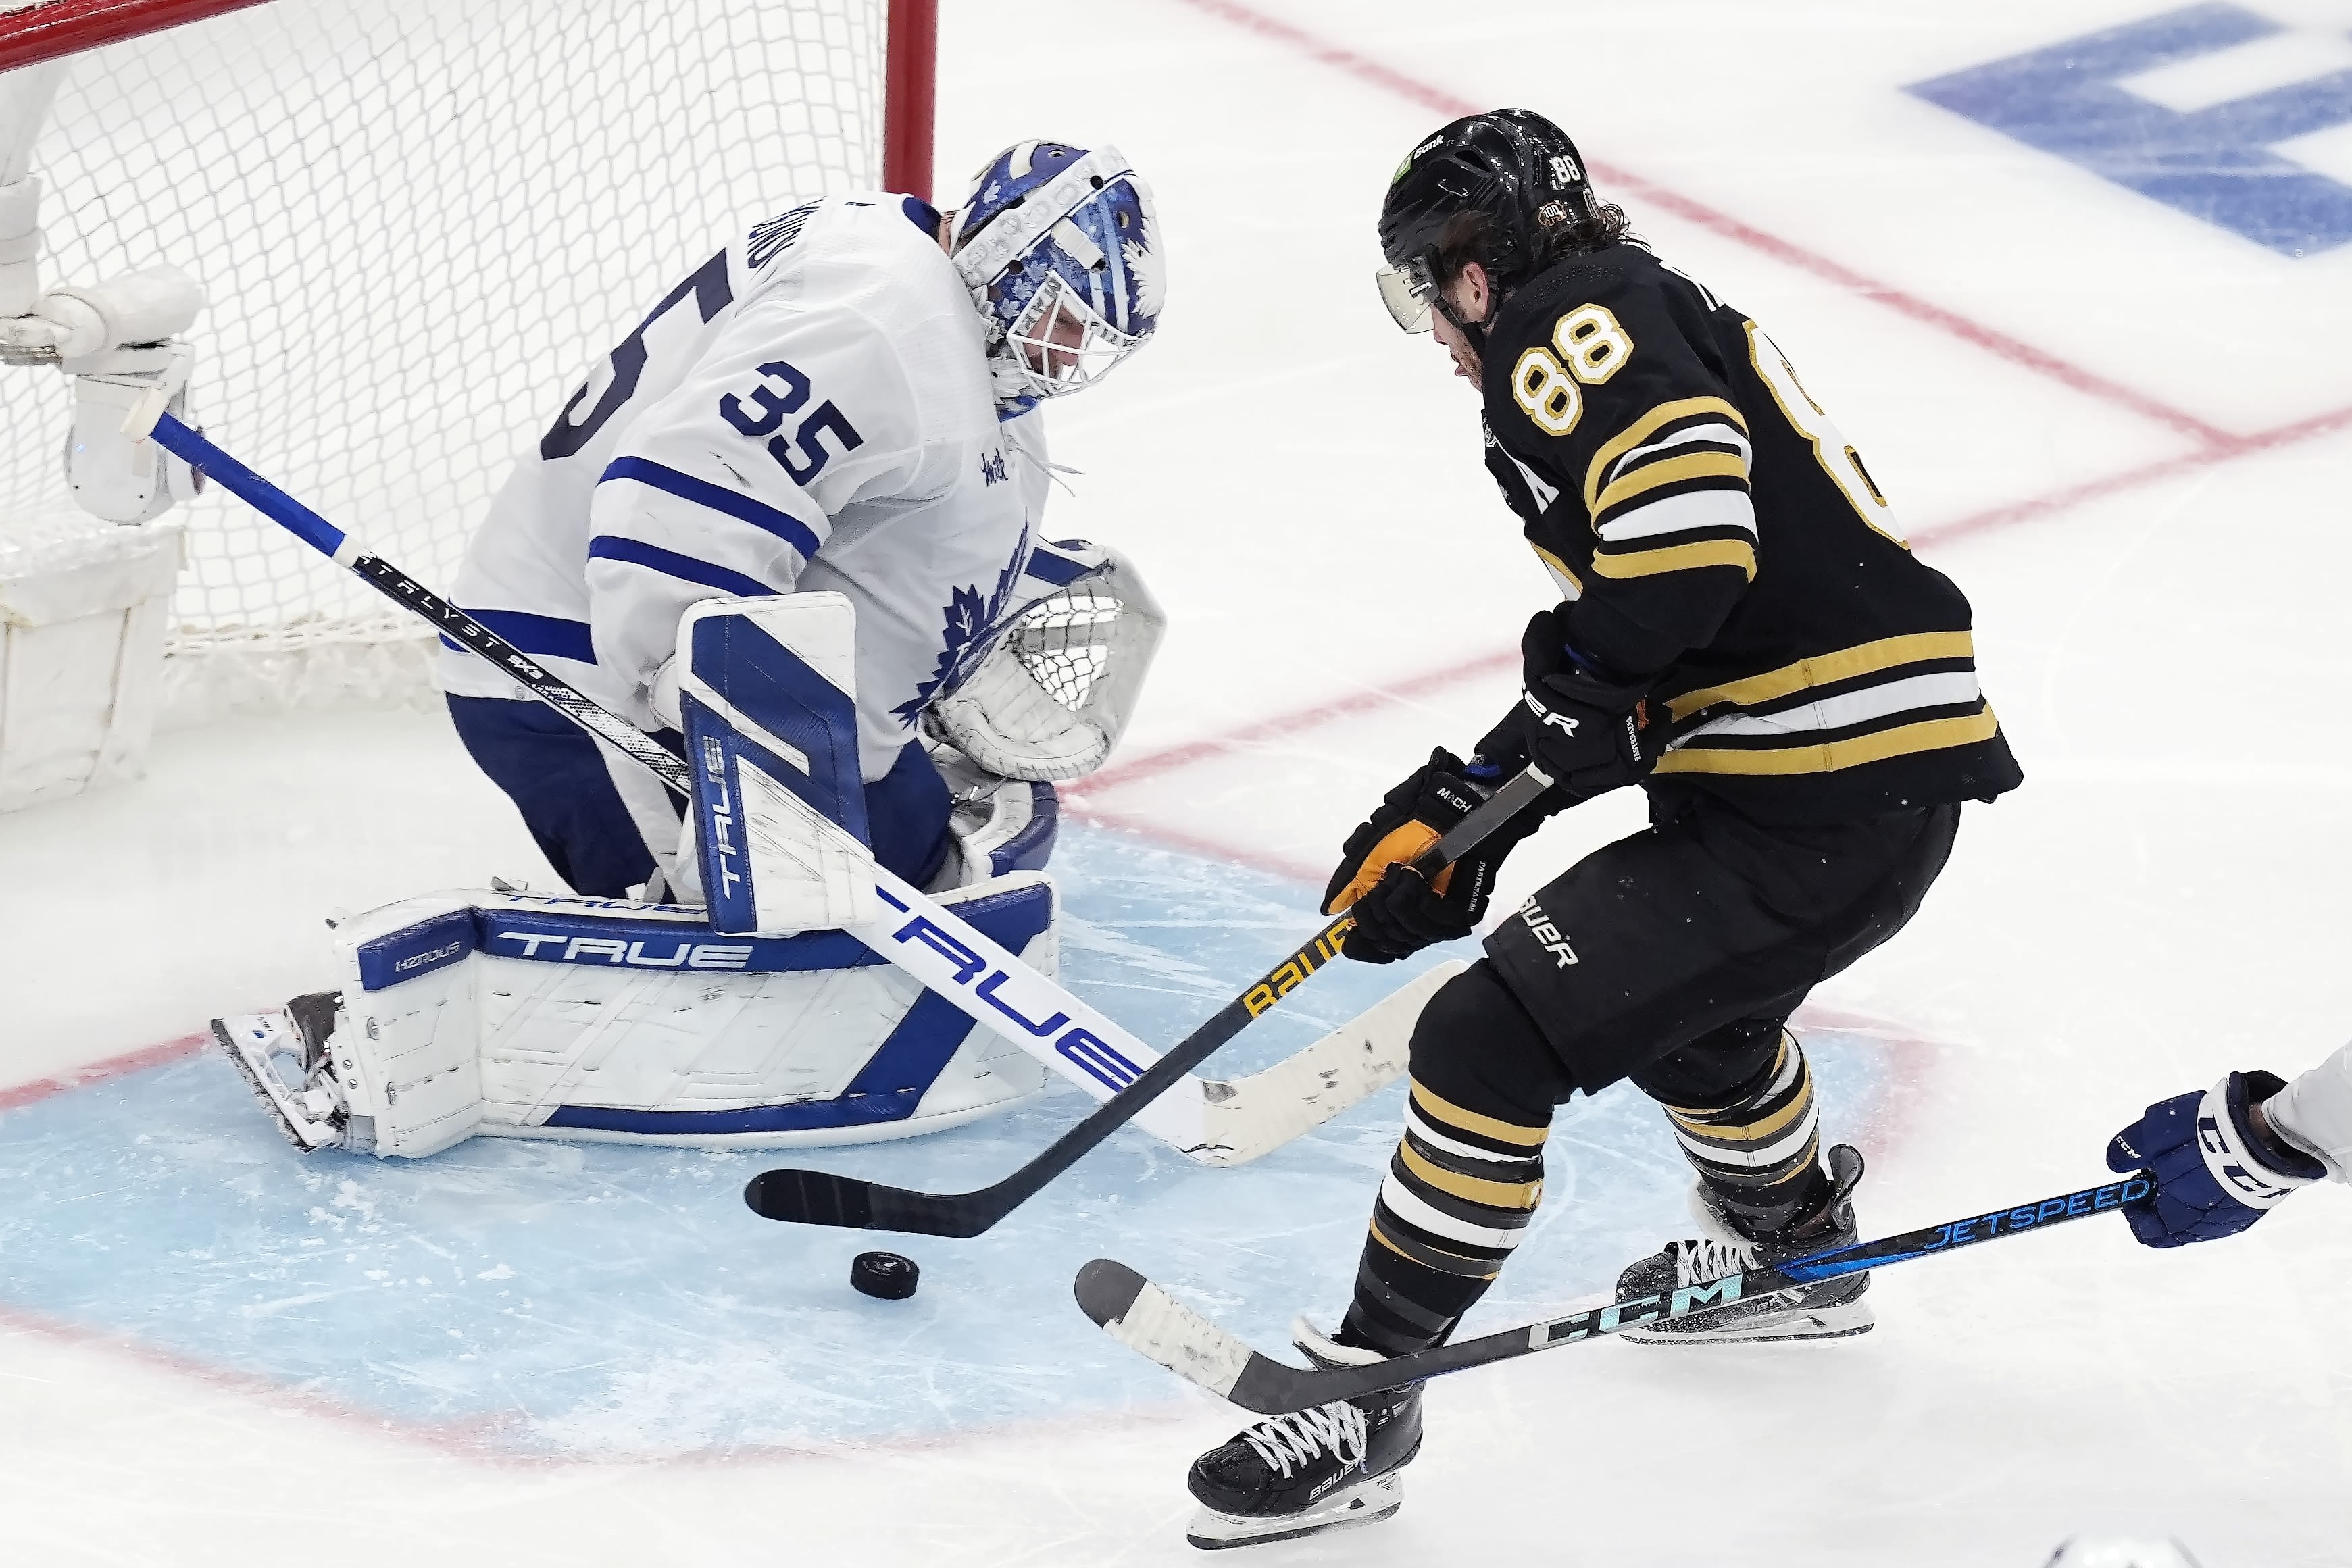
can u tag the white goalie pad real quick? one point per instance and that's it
(515, 1016)
(1053, 697)
(997, 825)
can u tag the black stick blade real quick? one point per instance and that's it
(820, 1197)
(811, 1197)
(1106, 1288)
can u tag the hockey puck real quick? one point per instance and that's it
(885, 1276)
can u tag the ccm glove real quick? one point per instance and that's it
(1589, 733)
(2213, 1175)
(1396, 913)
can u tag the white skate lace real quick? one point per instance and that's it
(1704, 1258)
(1301, 1435)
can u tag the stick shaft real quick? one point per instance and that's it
(809, 1198)
(1271, 1387)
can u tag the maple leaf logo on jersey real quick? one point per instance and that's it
(969, 626)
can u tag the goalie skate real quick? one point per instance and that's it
(283, 1058)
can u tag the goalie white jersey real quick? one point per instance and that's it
(810, 410)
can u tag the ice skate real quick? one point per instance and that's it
(1329, 1467)
(283, 1056)
(1832, 1310)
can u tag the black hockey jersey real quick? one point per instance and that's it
(1714, 534)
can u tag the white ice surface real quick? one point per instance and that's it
(2159, 903)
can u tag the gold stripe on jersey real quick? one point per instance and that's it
(1822, 670)
(1671, 471)
(1634, 434)
(1740, 553)
(1560, 569)
(1829, 757)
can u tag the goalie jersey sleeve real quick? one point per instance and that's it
(1718, 540)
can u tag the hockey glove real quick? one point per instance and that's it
(2213, 1175)
(1586, 731)
(1396, 913)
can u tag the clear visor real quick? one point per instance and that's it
(1406, 291)
(1060, 344)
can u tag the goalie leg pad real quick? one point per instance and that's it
(999, 825)
(597, 1020)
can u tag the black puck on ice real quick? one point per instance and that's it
(883, 1275)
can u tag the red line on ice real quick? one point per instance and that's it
(1993, 342)
(2132, 478)
(99, 1071)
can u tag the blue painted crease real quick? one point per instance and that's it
(594, 1299)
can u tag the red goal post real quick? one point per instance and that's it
(416, 224)
(51, 29)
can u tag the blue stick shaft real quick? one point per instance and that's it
(251, 489)
(452, 623)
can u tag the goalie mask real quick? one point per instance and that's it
(1061, 250)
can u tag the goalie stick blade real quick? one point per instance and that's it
(1251, 1114)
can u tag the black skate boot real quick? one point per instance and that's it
(1325, 1469)
(1832, 1310)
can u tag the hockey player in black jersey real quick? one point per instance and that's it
(1743, 632)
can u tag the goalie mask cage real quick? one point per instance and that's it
(418, 223)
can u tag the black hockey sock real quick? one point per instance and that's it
(1760, 1152)
(1459, 1193)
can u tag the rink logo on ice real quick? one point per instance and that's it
(2215, 110)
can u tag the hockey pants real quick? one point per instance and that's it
(1672, 958)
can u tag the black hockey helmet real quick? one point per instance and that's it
(1514, 166)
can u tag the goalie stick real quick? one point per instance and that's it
(1299, 1094)
(933, 944)
(1148, 1320)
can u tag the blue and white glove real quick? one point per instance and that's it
(2214, 1175)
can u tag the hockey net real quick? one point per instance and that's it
(418, 223)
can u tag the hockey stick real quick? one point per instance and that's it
(1146, 1320)
(932, 943)
(1373, 1045)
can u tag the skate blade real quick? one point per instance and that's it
(1842, 1320)
(1366, 1502)
(248, 1042)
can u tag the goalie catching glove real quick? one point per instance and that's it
(1588, 732)
(1053, 695)
(1396, 913)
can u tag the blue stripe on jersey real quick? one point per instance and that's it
(548, 636)
(1058, 570)
(718, 498)
(636, 552)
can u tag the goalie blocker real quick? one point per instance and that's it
(756, 1022)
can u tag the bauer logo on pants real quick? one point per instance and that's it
(1532, 916)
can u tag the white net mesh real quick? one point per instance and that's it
(418, 223)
